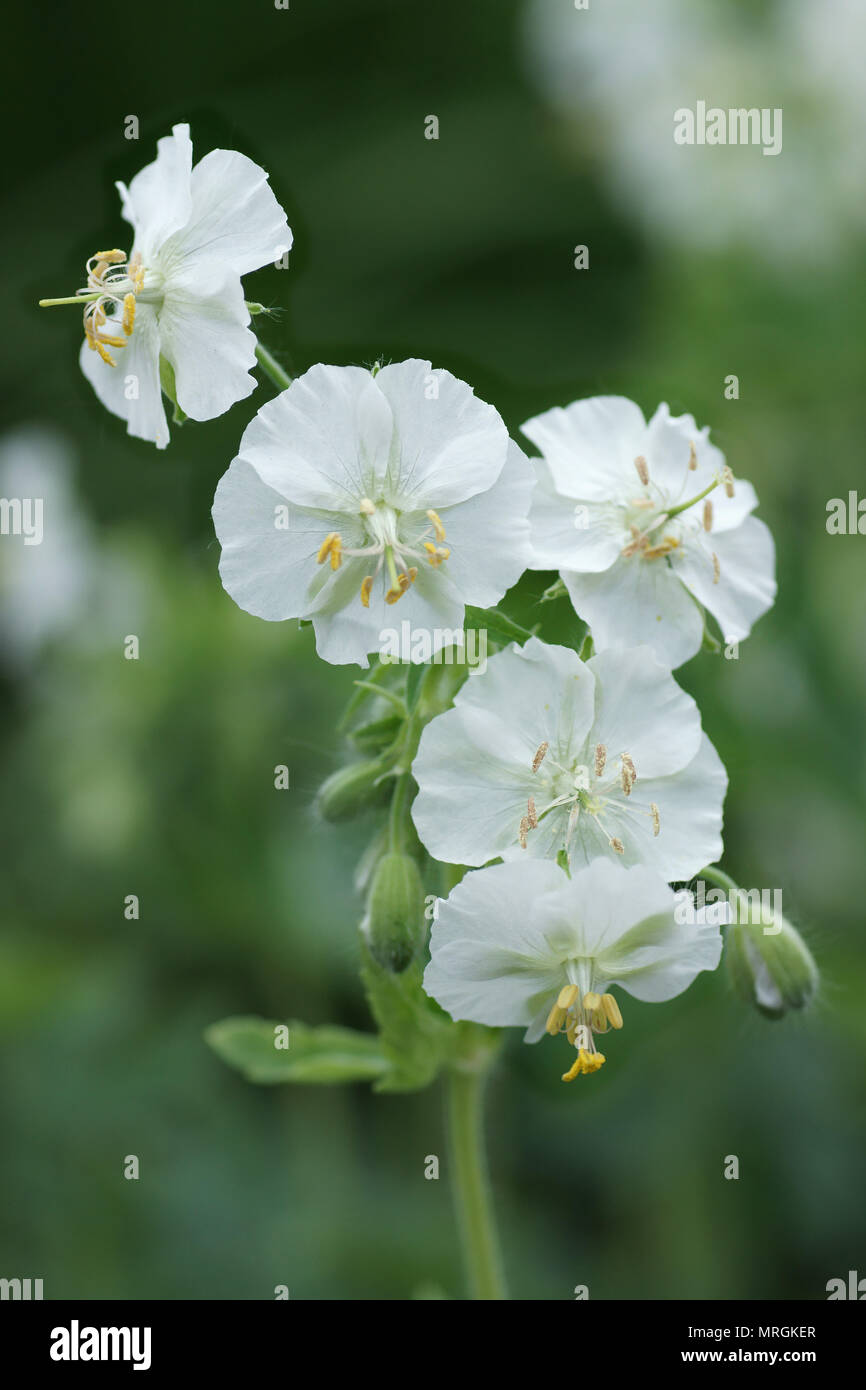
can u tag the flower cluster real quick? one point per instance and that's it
(570, 790)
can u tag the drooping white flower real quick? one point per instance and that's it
(525, 945)
(356, 490)
(175, 306)
(545, 753)
(642, 519)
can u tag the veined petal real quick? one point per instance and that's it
(131, 389)
(746, 586)
(642, 711)
(158, 200)
(638, 601)
(208, 343)
(564, 534)
(234, 222)
(268, 558)
(447, 447)
(348, 632)
(325, 441)
(590, 446)
(488, 535)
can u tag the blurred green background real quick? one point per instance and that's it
(155, 777)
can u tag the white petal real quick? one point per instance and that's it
(136, 374)
(447, 447)
(590, 447)
(669, 440)
(474, 762)
(266, 569)
(638, 601)
(234, 222)
(210, 347)
(746, 588)
(642, 711)
(488, 535)
(690, 820)
(487, 963)
(325, 441)
(158, 199)
(347, 632)
(564, 534)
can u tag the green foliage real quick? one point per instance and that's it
(314, 1056)
(416, 1036)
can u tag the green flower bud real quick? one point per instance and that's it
(352, 789)
(378, 734)
(768, 962)
(394, 925)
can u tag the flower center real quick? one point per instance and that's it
(579, 789)
(651, 518)
(117, 283)
(383, 543)
(580, 1016)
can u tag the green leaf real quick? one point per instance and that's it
(414, 681)
(417, 1037)
(314, 1056)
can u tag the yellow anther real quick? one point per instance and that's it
(728, 480)
(113, 257)
(591, 1001)
(532, 813)
(367, 507)
(654, 812)
(365, 590)
(717, 569)
(110, 340)
(611, 1008)
(628, 774)
(600, 758)
(437, 524)
(567, 996)
(586, 1063)
(642, 467)
(539, 756)
(336, 553)
(128, 314)
(436, 553)
(523, 831)
(616, 844)
(555, 1020)
(413, 573)
(138, 278)
(394, 594)
(693, 458)
(708, 515)
(325, 547)
(103, 352)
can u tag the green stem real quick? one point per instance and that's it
(720, 879)
(271, 366)
(472, 1198)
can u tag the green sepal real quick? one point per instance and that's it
(322, 1056)
(414, 681)
(498, 625)
(416, 1036)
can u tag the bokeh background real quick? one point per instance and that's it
(155, 777)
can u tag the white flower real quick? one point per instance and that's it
(355, 490)
(524, 945)
(178, 299)
(642, 519)
(545, 753)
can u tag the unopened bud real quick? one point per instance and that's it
(378, 734)
(352, 789)
(394, 924)
(769, 963)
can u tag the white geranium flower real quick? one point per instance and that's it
(525, 945)
(545, 753)
(642, 519)
(356, 490)
(173, 312)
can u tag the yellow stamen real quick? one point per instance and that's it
(642, 467)
(112, 257)
(531, 812)
(654, 812)
(436, 553)
(693, 458)
(539, 756)
(728, 480)
(367, 507)
(567, 996)
(325, 547)
(555, 1020)
(591, 1000)
(437, 524)
(600, 758)
(523, 831)
(365, 590)
(617, 845)
(587, 1062)
(336, 553)
(111, 341)
(103, 352)
(708, 515)
(393, 595)
(611, 1008)
(717, 569)
(128, 314)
